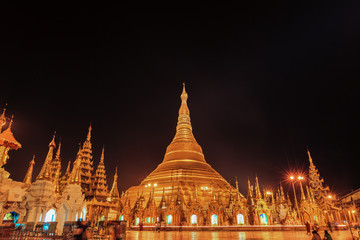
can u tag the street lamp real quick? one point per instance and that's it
(292, 179)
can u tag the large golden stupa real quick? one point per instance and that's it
(183, 171)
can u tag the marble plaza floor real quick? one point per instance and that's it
(210, 235)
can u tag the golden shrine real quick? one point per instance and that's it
(184, 189)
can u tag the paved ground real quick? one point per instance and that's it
(207, 235)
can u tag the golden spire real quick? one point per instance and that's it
(45, 172)
(87, 142)
(88, 137)
(114, 192)
(75, 177)
(56, 169)
(102, 155)
(236, 184)
(257, 188)
(68, 168)
(184, 145)
(282, 195)
(310, 159)
(100, 184)
(250, 193)
(28, 176)
(57, 156)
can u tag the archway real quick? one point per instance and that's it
(50, 216)
(169, 219)
(214, 219)
(193, 219)
(263, 219)
(240, 219)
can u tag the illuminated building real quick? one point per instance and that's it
(185, 189)
(182, 190)
(322, 197)
(77, 194)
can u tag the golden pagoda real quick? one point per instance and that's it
(183, 166)
(183, 179)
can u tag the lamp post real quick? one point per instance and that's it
(292, 179)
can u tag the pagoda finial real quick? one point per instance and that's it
(308, 152)
(75, 177)
(88, 137)
(28, 176)
(100, 183)
(236, 184)
(257, 188)
(114, 192)
(102, 155)
(53, 140)
(45, 172)
(282, 195)
(250, 192)
(184, 96)
(184, 143)
(58, 150)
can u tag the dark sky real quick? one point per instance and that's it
(263, 84)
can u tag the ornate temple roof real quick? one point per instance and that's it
(7, 138)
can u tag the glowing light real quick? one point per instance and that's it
(329, 196)
(291, 177)
(51, 216)
(269, 193)
(193, 219)
(300, 177)
(84, 213)
(137, 221)
(240, 219)
(122, 218)
(169, 219)
(155, 184)
(149, 184)
(214, 220)
(263, 219)
(353, 211)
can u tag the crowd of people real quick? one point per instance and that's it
(315, 233)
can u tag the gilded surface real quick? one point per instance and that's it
(183, 168)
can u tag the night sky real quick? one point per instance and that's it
(263, 84)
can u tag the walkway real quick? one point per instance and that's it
(209, 235)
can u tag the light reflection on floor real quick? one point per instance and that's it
(221, 235)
